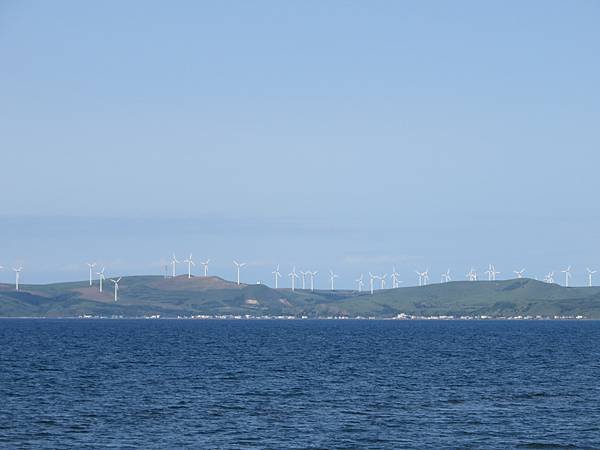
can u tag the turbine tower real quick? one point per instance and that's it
(277, 275)
(382, 280)
(567, 273)
(489, 272)
(472, 275)
(101, 277)
(116, 283)
(293, 275)
(205, 264)
(174, 262)
(494, 273)
(360, 282)
(17, 276)
(394, 278)
(519, 273)
(446, 276)
(420, 277)
(303, 276)
(190, 263)
(423, 277)
(91, 266)
(371, 278)
(332, 277)
(590, 273)
(238, 266)
(312, 279)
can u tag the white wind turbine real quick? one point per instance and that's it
(394, 278)
(332, 277)
(17, 276)
(549, 278)
(382, 280)
(420, 277)
(205, 264)
(472, 275)
(116, 283)
(101, 277)
(277, 275)
(446, 276)
(293, 275)
(91, 266)
(312, 279)
(567, 273)
(423, 277)
(590, 273)
(238, 266)
(303, 275)
(174, 262)
(360, 283)
(190, 263)
(489, 272)
(494, 273)
(519, 273)
(371, 279)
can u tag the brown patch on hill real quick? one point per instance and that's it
(92, 293)
(197, 283)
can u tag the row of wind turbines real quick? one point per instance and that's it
(303, 275)
(423, 277)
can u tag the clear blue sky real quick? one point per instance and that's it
(326, 134)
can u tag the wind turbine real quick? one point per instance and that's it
(17, 276)
(277, 275)
(590, 273)
(205, 264)
(174, 262)
(116, 283)
(494, 273)
(423, 277)
(360, 283)
(312, 279)
(190, 263)
(549, 278)
(101, 276)
(303, 275)
(91, 266)
(238, 266)
(420, 277)
(371, 278)
(382, 279)
(293, 275)
(472, 275)
(567, 273)
(394, 278)
(446, 276)
(519, 273)
(489, 272)
(332, 277)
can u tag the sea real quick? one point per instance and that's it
(299, 384)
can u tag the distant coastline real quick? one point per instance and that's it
(216, 298)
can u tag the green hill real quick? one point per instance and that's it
(212, 296)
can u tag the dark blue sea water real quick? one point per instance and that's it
(299, 384)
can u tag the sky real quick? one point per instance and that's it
(343, 135)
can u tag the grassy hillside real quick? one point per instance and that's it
(150, 295)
